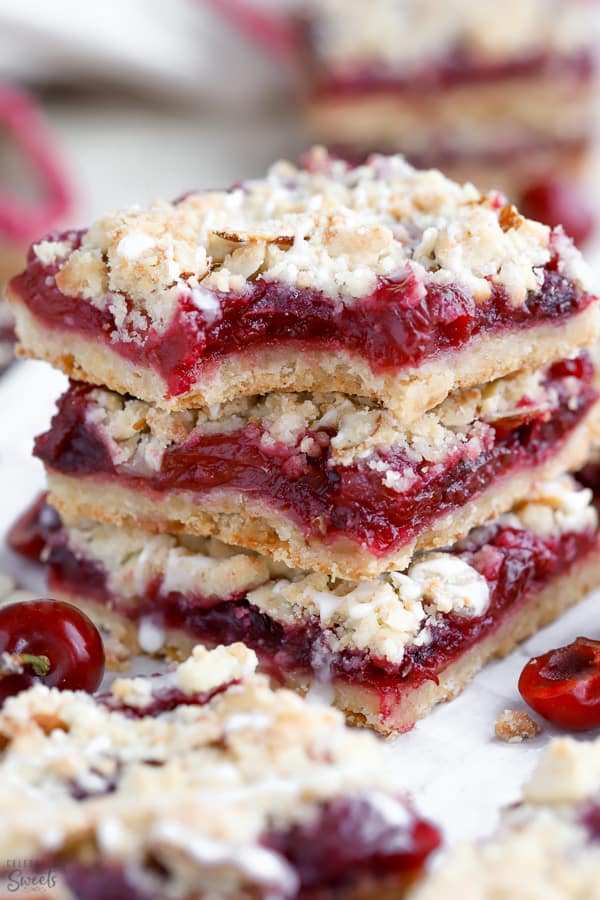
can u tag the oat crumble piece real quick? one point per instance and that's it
(515, 726)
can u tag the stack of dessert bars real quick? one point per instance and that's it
(327, 413)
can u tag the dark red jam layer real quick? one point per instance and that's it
(163, 701)
(344, 502)
(459, 67)
(590, 477)
(516, 564)
(590, 819)
(348, 843)
(399, 325)
(351, 840)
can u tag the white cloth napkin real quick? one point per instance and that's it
(159, 46)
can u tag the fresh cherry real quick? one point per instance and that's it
(563, 685)
(561, 203)
(51, 642)
(29, 535)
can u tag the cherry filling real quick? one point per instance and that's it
(351, 838)
(348, 841)
(456, 68)
(87, 881)
(400, 324)
(163, 701)
(517, 565)
(330, 502)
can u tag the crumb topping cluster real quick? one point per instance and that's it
(515, 726)
(380, 616)
(194, 788)
(554, 508)
(545, 847)
(346, 37)
(348, 429)
(328, 227)
(133, 559)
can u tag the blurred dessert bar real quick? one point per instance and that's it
(501, 94)
(320, 481)
(379, 281)
(385, 650)
(201, 782)
(546, 846)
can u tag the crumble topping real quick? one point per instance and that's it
(348, 428)
(383, 615)
(328, 227)
(516, 726)
(347, 38)
(556, 507)
(194, 788)
(546, 847)
(134, 559)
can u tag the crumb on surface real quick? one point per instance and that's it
(515, 726)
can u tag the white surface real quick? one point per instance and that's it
(452, 764)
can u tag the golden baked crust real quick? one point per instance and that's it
(463, 129)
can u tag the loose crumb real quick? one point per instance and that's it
(515, 727)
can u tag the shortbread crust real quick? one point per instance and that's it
(462, 123)
(201, 779)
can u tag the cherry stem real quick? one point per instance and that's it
(12, 663)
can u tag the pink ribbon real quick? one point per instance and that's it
(21, 221)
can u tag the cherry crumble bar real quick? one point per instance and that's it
(320, 481)
(378, 281)
(202, 782)
(547, 846)
(387, 649)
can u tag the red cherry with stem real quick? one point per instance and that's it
(30, 534)
(563, 685)
(51, 642)
(561, 203)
